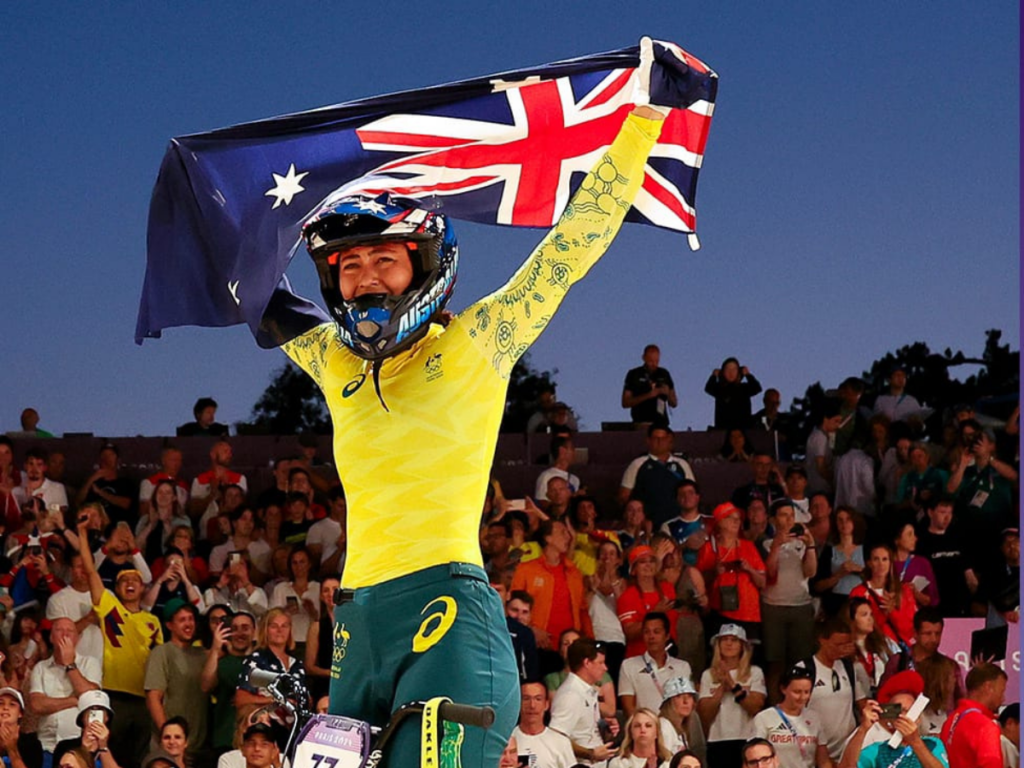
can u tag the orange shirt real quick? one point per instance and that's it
(711, 554)
(538, 579)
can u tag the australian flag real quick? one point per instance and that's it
(229, 205)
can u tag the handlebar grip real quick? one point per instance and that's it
(263, 678)
(467, 714)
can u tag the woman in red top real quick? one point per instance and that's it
(734, 570)
(892, 603)
(645, 593)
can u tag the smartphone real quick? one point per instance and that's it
(292, 601)
(890, 711)
(235, 558)
(797, 530)
(94, 716)
(517, 505)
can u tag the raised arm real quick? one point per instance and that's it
(508, 321)
(96, 587)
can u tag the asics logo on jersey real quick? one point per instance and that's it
(353, 386)
(435, 625)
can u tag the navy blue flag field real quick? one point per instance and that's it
(229, 205)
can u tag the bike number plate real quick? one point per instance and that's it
(332, 741)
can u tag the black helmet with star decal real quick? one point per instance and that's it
(378, 326)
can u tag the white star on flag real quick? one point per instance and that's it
(286, 187)
(372, 206)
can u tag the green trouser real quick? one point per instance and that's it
(437, 632)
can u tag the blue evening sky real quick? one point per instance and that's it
(860, 187)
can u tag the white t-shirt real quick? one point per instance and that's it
(300, 620)
(540, 493)
(71, 604)
(795, 738)
(50, 492)
(732, 722)
(547, 749)
(640, 676)
(833, 706)
(324, 533)
(790, 586)
(604, 617)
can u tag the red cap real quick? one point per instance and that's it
(722, 511)
(905, 682)
(637, 552)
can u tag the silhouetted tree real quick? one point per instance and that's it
(994, 389)
(524, 388)
(291, 404)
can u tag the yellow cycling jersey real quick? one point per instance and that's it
(415, 476)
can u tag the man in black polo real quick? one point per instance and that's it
(649, 391)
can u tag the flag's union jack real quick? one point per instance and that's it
(554, 134)
(509, 149)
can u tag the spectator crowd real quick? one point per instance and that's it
(794, 624)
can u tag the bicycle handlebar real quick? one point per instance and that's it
(467, 714)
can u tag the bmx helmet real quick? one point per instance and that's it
(377, 326)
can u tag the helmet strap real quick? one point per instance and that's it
(376, 383)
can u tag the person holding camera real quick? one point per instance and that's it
(734, 572)
(787, 613)
(868, 747)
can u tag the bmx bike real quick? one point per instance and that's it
(335, 741)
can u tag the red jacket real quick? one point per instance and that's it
(971, 736)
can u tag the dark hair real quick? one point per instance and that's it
(522, 596)
(558, 442)
(727, 361)
(546, 528)
(981, 674)
(833, 625)
(854, 383)
(685, 482)
(829, 408)
(757, 742)
(576, 503)
(726, 451)
(293, 553)
(582, 649)
(5, 440)
(202, 404)
(236, 514)
(677, 759)
(36, 453)
(930, 614)
(795, 673)
(505, 527)
(1010, 712)
(296, 496)
(657, 616)
(337, 492)
(297, 471)
(16, 636)
(177, 720)
(650, 347)
(876, 641)
(657, 426)
(939, 500)
(859, 525)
